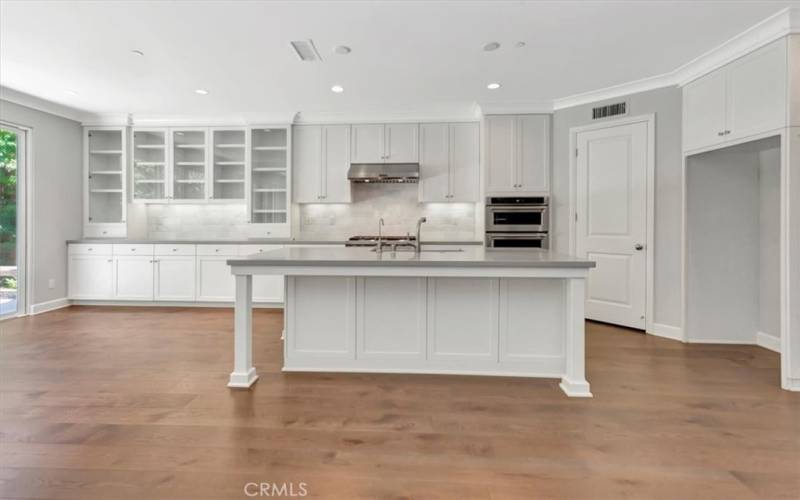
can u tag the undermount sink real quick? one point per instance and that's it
(387, 249)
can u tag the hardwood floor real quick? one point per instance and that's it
(130, 403)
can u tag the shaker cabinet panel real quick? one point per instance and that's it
(704, 111)
(533, 132)
(465, 162)
(91, 277)
(336, 162)
(175, 278)
(306, 163)
(501, 153)
(434, 162)
(401, 143)
(367, 144)
(133, 277)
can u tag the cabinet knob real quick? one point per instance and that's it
(720, 133)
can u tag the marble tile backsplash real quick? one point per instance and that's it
(396, 203)
(398, 206)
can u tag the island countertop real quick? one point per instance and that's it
(469, 256)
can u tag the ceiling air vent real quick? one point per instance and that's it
(616, 109)
(305, 50)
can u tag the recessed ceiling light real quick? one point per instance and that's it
(201, 91)
(337, 89)
(519, 45)
(342, 50)
(137, 52)
(491, 46)
(493, 86)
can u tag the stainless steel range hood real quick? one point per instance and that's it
(383, 172)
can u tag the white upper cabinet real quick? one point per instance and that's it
(389, 143)
(150, 164)
(105, 161)
(449, 162)
(189, 164)
(321, 157)
(518, 154)
(745, 98)
(228, 162)
(269, 177)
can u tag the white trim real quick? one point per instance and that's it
(165, 303)
(666, 331)
(650, 120)
(780, 24)
(39, 104)
(50, 305)
(515, 108)
(721, 341)
(768, 341)
(253, 267)
(792, 384)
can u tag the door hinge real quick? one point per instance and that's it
(576, 152)
(576, 216)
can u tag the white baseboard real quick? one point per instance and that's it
(721, 341)
(145, 303)
(50, 305)
(792, 384)
(768, 341)
(666, 331)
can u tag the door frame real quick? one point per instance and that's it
(650, 121)
(25, 221)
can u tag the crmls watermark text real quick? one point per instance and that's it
(267, 489)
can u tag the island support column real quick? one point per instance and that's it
(244, 373)
(574, 383)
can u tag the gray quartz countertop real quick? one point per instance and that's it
(250, 241)
(468, 256)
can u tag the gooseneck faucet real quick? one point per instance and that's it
(419, 225)
(380, 235)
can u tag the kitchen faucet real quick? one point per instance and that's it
(418, 245)
(380, 235)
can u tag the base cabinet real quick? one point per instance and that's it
(133, 277)
(175, 278)
(215, 283)
(91, 277)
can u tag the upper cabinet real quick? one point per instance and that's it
(189, 164)
(744, 98)
(228, 164)
(449, 162)
(517, 154)
(321, 157)
(150, 165)
(105, 160)
(385, 143)
(268, 197)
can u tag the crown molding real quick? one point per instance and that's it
(512, 108)
(454, 113)
(780, 24)
(229, 120)
(39, 104)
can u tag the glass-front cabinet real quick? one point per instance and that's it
(229, 161)
(104, 188)
(269, 175)
(150, 165)
(189, 164)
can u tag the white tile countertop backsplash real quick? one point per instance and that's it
(396, 203)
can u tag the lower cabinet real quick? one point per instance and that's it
(133, 277)
(215, 283)
(91, 277)
(175, 278)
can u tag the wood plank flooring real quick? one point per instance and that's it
(130, 403)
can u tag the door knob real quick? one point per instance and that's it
(638, 246)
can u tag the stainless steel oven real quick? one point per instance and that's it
(517, 214)
(517, 240)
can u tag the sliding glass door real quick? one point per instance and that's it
(12, 167)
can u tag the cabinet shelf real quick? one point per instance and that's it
(230, 181)
(190, 146)
(261, 211)
(190, 163)
(150, 146)
(105, 191)
(105, 152)
(106, 172)
(148, 163)
(269, 148)
(228, 163)
(269, 169)
(149, 181)
(268, 190)
(229, 146)
(189, 181)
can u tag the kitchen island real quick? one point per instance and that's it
(445, 310)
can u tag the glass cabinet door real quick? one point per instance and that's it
(269, 162)
(149, 164)
(105, 163)
(228, 172)
(189, 164)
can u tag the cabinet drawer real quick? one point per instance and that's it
(254, 249)
(135, 249)
(217, 249)
(178, 249)
(89, 249)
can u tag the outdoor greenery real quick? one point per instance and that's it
(8, 198)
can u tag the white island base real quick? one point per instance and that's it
(504, 321)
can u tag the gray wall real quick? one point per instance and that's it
(769, 175)
(57, 172)
(666, 105)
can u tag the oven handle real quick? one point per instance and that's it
(512, 208)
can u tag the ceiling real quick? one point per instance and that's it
(406, 56)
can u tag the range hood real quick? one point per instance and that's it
(383, 172)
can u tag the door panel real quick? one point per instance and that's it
(133, 278)
(215, 283)
(402, 143)
(502, 157)
(534, 147)
(91, 277)
(611, 209)
(336, 150)
(391, 318)
(704, 115)
(330, 331)
(306, 163)
(434, 168)
(464, 162)
(463, 319)
(175, 278)
(367, 144)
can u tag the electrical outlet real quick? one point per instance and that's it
(51, 283)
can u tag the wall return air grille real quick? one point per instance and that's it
(615, 109)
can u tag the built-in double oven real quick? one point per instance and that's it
(517, 222)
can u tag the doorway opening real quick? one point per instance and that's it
(12, 221)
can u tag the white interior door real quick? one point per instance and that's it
(612, 221)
